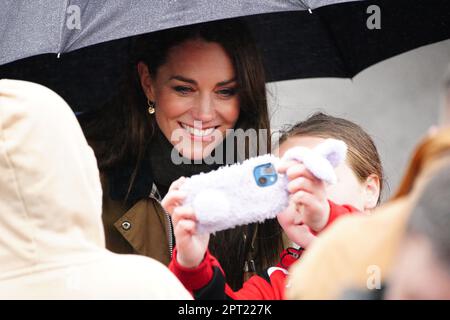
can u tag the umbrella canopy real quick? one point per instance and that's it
(332, 41)
(53, 26)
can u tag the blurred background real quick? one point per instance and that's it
(395, 101)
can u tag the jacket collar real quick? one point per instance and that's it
(119, 179)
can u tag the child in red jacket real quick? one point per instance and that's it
(313, 206)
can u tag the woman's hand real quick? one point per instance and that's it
(191, 247)
(308, 194)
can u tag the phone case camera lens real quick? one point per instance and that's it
(262, 180)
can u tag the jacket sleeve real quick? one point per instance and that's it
(207, 281)
(337, 211)
(194, 278)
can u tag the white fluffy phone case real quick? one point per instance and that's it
(233, 195)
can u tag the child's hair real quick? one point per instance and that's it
(363, 156)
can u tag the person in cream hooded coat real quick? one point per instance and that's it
(51, 236)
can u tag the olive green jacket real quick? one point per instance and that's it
(144, 228)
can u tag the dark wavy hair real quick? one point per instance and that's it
(124, 131)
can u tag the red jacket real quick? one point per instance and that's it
(207, 281)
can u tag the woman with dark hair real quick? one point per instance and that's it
(186, 89)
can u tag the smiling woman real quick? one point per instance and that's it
(195, 91)
(186, 87)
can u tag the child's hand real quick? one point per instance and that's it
(191, 247)
(309, 195)
(174, 196)
(296, 230)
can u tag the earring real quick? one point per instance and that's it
(151, 107)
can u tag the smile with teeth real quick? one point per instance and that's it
(198, 132)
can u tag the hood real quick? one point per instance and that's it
(50, 191)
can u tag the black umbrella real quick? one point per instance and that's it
(331, 41)
(30, 28)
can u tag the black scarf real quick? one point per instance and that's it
(156, 168)
(164, 170)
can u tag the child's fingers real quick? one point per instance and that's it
(308, 201)
(183, 213)
(301, 183)
(303, 198)
(314, 214)
(299, 170)
(185, 227)
(283, 165)
(173, 198)
(177, 183)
